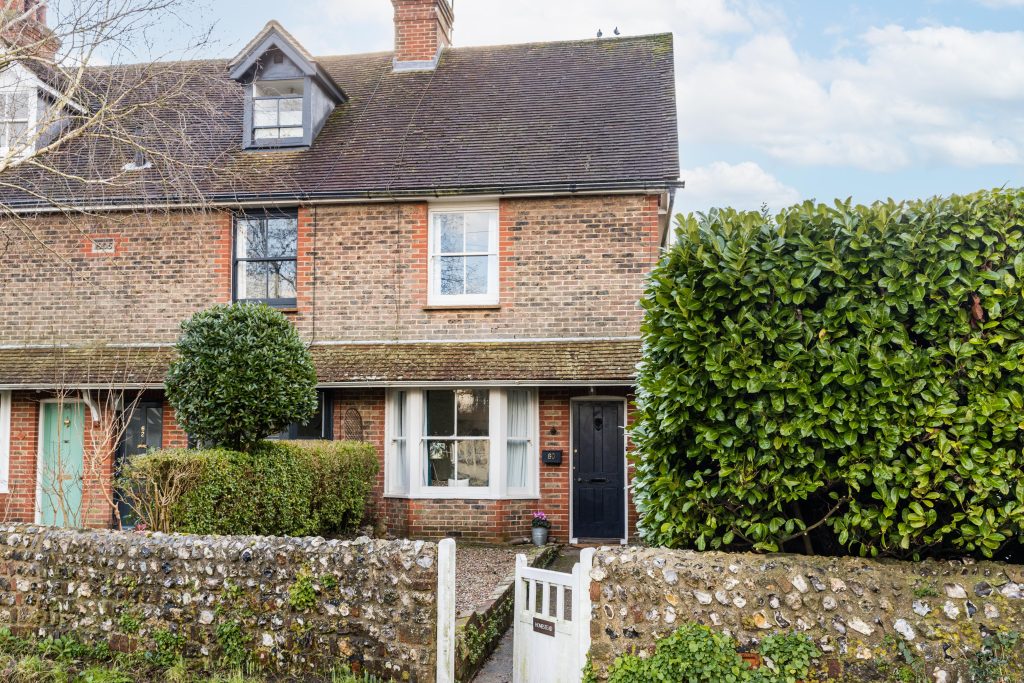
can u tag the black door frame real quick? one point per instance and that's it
(573, 403)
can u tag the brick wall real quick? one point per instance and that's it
(421, 27)
(165, 268)
(570, 267)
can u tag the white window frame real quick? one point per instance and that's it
(5, 441)
(497, 488)
(492, 296)
(30, 124)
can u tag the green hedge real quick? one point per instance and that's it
(280, 489)
(850, 370)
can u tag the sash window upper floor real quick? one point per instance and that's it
(265, 258)
(463, 256)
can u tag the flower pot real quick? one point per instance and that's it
(540, 535)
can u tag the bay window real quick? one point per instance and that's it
(461, 443)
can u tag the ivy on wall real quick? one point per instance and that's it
(837, 378)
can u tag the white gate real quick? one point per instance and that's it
(552, 622)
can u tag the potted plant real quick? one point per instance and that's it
(541, 524)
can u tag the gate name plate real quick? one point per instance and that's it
(544, 626)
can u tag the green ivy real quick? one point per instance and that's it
(167, 648)
(234, 644)
(302, 594)
(843, 375)
(696, 653)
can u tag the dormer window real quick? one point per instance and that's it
(289, 96)
(15, 123)
(277, 111)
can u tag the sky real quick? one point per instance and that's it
(779, 101)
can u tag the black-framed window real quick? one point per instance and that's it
(265, 257)
(319, 427)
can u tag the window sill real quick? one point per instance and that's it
(464, 496)
(462, 307)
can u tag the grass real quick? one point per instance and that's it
(65, 660)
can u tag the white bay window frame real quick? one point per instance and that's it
(406, 477)
(5, 441)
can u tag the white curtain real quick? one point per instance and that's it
(400, 442)
(518, 439)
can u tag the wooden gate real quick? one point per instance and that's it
(552, 622)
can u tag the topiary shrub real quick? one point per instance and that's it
(839, 378)
(693, 652)
(241, 374)
(280, 489)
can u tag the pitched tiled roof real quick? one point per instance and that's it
(586, 115)
(594, 362)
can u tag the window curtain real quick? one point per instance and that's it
(518, 439)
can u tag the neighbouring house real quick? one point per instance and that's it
(461, 234)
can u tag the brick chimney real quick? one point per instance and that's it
(423, 28)
(24, 25)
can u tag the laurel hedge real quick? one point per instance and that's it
(840, 379)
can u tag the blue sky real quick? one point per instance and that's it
(779, 100)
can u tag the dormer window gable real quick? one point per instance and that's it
(288, 96)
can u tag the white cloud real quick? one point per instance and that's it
(923, 96)
(742, 186)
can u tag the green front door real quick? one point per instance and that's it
(61, 467)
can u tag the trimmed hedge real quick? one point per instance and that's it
(280, 489)
(852, 371)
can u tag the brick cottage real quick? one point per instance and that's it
(460, 234)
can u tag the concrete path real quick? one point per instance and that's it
(498, 668)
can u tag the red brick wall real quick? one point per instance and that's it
(570, 267)
(166, 267)
(421, 27)
(19, 505)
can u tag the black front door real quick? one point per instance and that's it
(598, 470)
(143, 431)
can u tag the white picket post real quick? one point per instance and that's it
(518, 634)
(446, 611)
(582, 606)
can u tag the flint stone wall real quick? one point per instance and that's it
(855, 610)
(375, 601)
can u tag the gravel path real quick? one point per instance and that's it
(479, 570)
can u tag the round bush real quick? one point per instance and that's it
(242, 373)
(840, 379)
